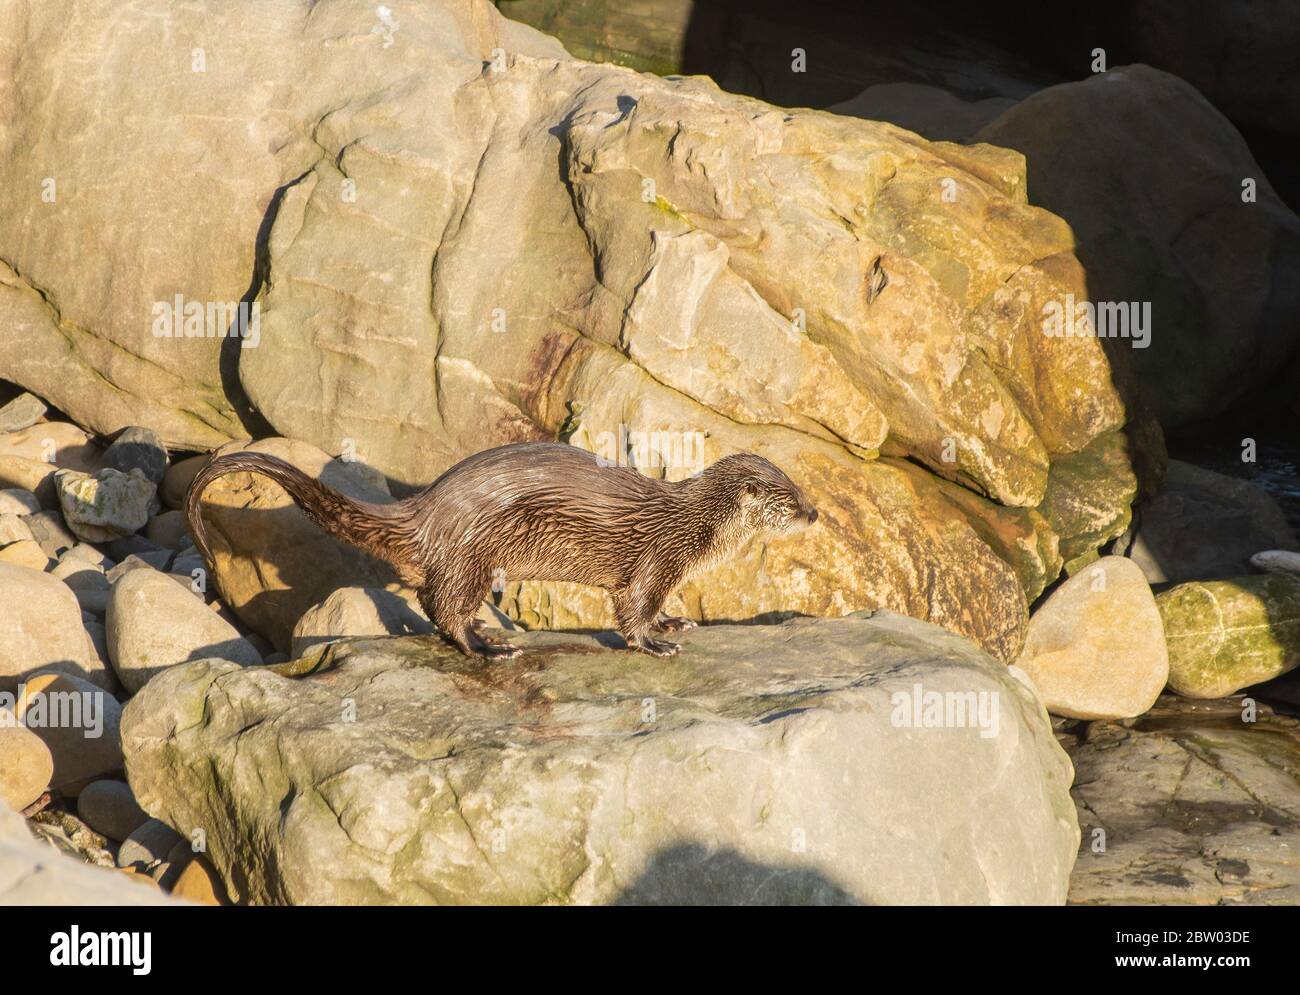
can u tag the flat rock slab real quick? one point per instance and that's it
(1188, 805)
(765, 764)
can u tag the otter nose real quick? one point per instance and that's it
(812, 515)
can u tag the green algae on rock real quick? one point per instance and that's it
(1225, 635)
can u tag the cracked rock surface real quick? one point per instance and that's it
(762, 765)
(1187, 805)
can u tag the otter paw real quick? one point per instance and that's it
(656, 647)
(672, 623)
(499, 651)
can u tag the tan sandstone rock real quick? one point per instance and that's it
(357, 611)
(153, 623)
(25, 553)
(32, 475)
(540, 248)
(40, 628)
(79, 722)
(1096, 647)
(59, 443)
(26, 766)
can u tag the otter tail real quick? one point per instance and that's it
(375, 528)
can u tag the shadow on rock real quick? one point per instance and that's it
(692, 874)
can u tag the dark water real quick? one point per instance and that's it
(1277, 458)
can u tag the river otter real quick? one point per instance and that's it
(543, 511)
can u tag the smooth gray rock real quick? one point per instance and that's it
(50, 532)
(167, 529)
(1281, 561)
(1204, 525)
(109, 807)
(150, 841)
(22, 412)
(358, 611)
(141, 449)
(764, 764)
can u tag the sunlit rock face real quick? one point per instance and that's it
(451, 236)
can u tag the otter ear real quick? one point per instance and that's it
(751, 488)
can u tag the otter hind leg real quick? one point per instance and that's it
(473, 644)
(453, 615)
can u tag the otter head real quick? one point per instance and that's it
(769, 501)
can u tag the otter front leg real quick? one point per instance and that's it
(636, 609)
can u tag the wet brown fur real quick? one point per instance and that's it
(543, 511)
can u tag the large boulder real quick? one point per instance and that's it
(1163, 221)
(1225, 635)
(823, 761)
(459, 237)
